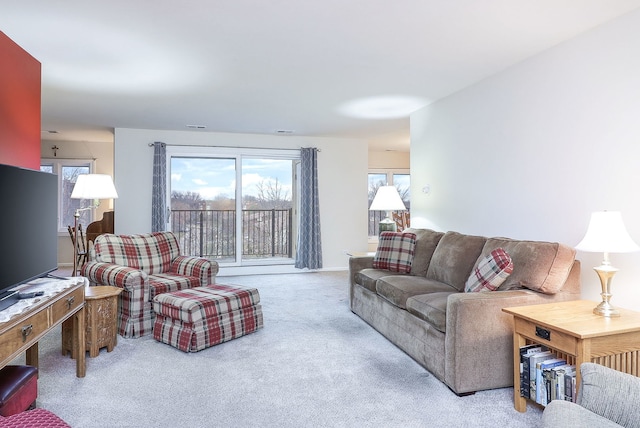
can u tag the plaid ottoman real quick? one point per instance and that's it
(195, 318)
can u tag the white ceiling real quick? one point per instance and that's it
(255, 66)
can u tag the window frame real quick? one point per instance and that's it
(58, 164)
(239, 154)
(389, 172)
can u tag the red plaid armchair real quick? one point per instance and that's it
(144, 266)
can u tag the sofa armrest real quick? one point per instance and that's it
(111, 274)
(479, 339)
(198, 267)
(356, 264)
(559, 413)
(610, 394)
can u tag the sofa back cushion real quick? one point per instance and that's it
(537, 265)
(454, 257)
(151, 253)
(426, 243)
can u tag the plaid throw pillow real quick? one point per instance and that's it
(492, 271)
(395, 251)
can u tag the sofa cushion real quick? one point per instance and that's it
(537, 265)
(397, 289)
(431, 308)
(151, 253)
(491, 272)
(426, 243)
(560, 413)
(395, 251)
(455, 256)
(610, 393)
(368, 277)
(164, 283)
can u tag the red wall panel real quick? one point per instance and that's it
(19, 106)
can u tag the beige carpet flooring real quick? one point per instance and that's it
(314, 364)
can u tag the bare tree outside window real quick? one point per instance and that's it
(186, 200)
(272, 195)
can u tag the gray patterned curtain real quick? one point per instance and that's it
(159, 192)
(309, 251)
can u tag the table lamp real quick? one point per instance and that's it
(387, 199)
(90, 186)
(606, 233)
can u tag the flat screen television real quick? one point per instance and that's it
(28, 228)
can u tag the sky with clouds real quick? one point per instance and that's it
(212, 177)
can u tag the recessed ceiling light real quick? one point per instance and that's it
(196, 126)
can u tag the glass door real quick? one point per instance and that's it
(203, 206)
(267, 209)
(237, 209)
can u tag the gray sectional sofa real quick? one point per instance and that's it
(462, 338)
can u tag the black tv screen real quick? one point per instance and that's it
(28, 225)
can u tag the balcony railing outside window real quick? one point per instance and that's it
(212, 233)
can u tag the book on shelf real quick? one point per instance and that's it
(525, 353)
(558, 384)
(570, 384)
(533, 361)
(542, 377)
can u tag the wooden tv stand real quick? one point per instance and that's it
(23, 331)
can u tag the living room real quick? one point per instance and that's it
(528, 152)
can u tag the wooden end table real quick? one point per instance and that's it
(101, 310)
(575, 333)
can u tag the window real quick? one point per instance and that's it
(399, 178)
(235, 206)
(67, 171)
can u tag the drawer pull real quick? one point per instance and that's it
(70, 301)
(26, 331)
(543, 333)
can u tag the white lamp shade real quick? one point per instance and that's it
(387, 199)
(94, 186)
(607, 234)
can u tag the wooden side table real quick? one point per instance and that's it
(575, 333)
(101, 310)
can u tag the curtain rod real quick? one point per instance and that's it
(201, 145)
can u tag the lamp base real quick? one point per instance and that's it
(387, 225)
(605, 273)
(606, 310)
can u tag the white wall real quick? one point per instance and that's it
(389, 160)
(532, 151)
(342, 177)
